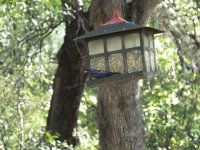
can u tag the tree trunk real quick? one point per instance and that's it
(70, 78)
(120, 121)
(68, 86)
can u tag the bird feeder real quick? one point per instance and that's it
(120, 46)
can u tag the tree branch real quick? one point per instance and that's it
(82, 16)
(142, 9)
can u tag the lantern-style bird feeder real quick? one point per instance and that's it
(120, 46)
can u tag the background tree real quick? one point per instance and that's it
(120, 121)
(69, 80)
(174, 115)
(31, 32)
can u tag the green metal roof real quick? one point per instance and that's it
(115, 28)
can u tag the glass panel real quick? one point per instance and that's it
(114, 43)
(132, 40)
(98, 63)
(134, 61)
(152, 61)
(151, 41)
(116, 63)
(147, 60)
(146, 40)
(95, 47)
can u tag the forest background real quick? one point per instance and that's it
(31, 33)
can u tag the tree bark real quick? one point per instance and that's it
(142, 10)
(68, 86)
(70, 78)
(120, 121)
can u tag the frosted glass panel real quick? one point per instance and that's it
(95, 47)
(132, 40)
(146, 40)
(98, 63)
(146, 53)
(152, 61)
(114, 43)
(116, 63)
(151, 41)
(134, 61)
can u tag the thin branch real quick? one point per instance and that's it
(3, 142)
(18, 86)
(80, 13)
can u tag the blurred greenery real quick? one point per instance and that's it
(31, 32)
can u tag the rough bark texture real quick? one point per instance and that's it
(142, 10)
(70, 78)
(120, 121)
(68, 85)
(102, 10)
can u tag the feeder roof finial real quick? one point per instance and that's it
(116, 19)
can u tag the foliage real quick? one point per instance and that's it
(171, 106)
(24, 25)
(31, 33)
(181, 18)
(87, 122)
(27, 64)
